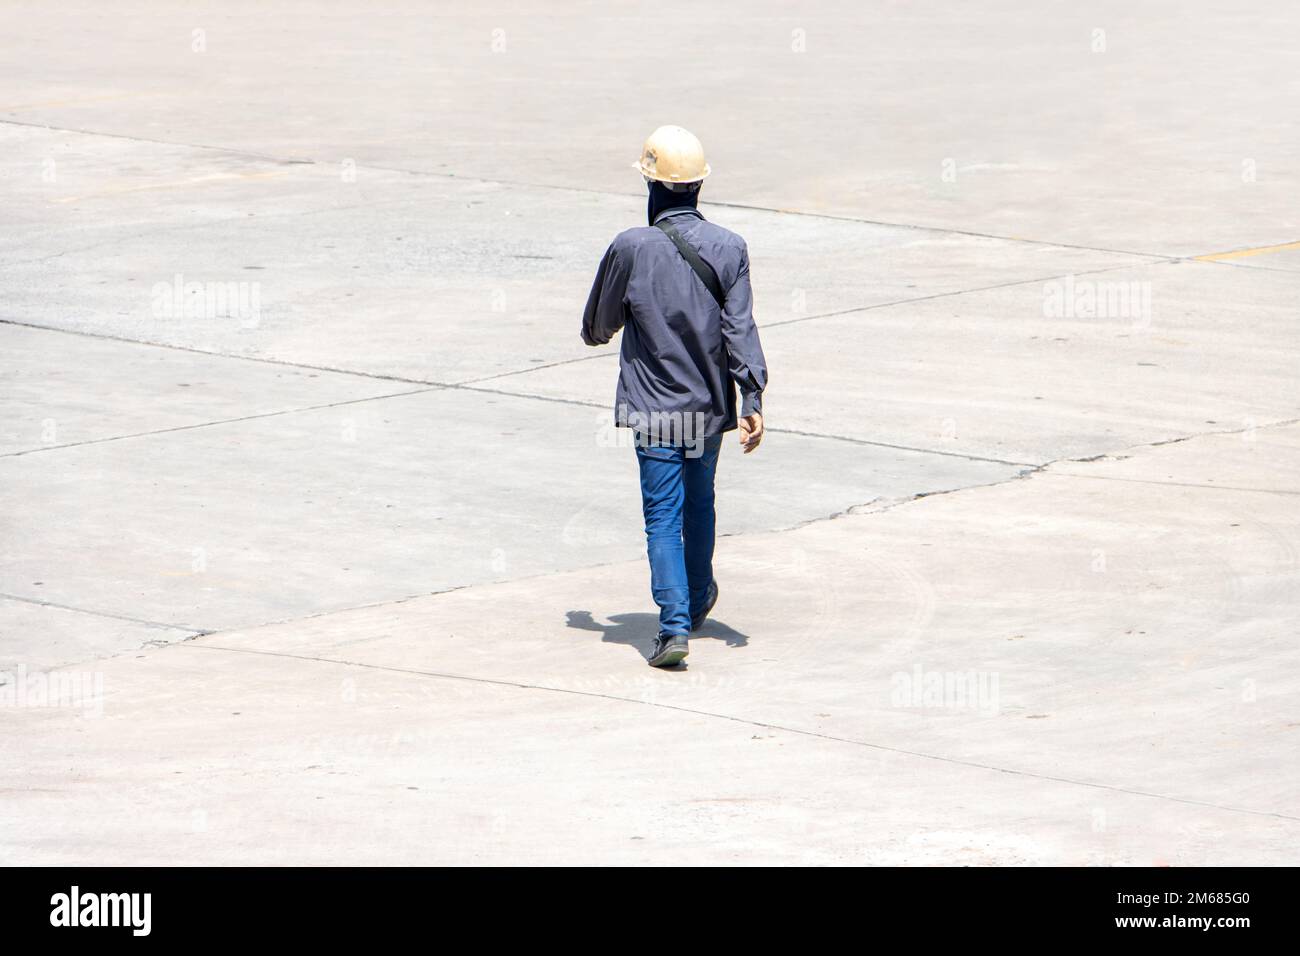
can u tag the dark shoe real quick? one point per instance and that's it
(669, 649)
(697, 620)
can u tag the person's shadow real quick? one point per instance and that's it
(638, 629)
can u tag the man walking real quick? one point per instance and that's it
(679, 288)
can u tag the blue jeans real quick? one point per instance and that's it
(677, 501)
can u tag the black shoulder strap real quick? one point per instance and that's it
(702, 268)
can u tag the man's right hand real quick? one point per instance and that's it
(751, 432)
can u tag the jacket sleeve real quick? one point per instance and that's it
(745, 359)
(604, 314)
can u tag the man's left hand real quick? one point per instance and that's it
(751, 432)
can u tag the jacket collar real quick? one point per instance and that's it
(679, 211)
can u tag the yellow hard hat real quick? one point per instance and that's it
(673, 155)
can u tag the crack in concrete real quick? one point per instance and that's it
(223, 355)
(466, 383)
(750, 722)
(775, 431)
(881, 505)
(613, 353)
(1175, 484)
(430, 386)
(910, 448)
(1245, 265)
(944, 295)
(193, 631)
(191, 227)
(220, 421)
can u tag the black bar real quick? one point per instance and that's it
(333, 906)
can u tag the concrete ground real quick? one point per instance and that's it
(347, 568)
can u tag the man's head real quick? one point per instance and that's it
(672, 162)
(674, 157)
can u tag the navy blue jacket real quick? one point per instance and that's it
(681, 354)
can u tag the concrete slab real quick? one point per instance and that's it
(1141, 705)
(1254, 457)
(426, 278)
(74, 192)
(998, 374)
(1153, 659)
(37, 637)
(62, 389)
(1050, 123)
(394, 768)
(274, 517)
